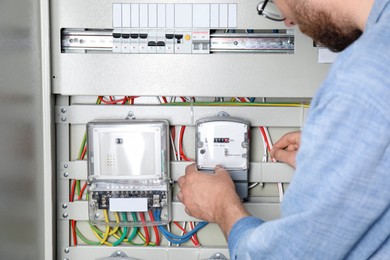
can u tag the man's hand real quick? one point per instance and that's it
(211, 197)
(285, 150)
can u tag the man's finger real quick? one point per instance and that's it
(292, 138)
(181, 181)
(191, 168)
(284, 156)
(180, 196)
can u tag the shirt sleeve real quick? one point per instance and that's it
(241, 228)
(338, 203)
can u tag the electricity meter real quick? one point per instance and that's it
(128, 172)
(224, 140)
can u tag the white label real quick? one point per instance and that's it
(232, 20)
(223, 15)
(201, 15)
(128, 204)
(170, 15)
(152, 15)
(143, 15)
(116, 15)
(134, 15)
(183, 15)
(214, 15)
(161, 15)
(126, 15)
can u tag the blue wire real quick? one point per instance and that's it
(174, 238)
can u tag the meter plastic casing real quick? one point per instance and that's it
(224, 140)
(128, 171)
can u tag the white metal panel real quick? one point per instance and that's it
(269, 75)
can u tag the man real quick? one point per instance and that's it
(338, 204)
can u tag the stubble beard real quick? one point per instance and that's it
(323, 28)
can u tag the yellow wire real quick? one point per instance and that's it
(100, 238)
(144, 239)
(117, 221)
(240, 104)
(107, 233)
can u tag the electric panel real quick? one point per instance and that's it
(164, 48)
(181, 62)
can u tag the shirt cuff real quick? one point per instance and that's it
(238, 230)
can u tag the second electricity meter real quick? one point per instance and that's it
(224, 140)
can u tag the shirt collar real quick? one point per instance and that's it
(376, 12)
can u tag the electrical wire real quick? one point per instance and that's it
(174, 238)
(250, 104)
(182, 228)
(147, 237)
(267, 140)
(181, 150)
(157, 234)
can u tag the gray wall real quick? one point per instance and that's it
(21, 131)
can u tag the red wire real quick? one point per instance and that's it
(194, 236)
(155, 228)
(72, 191)
(265, 137)
(147, 237)
(165, 99)
(183, 99)
(84, 152)
(173, 132)
(112, 102)
(73, 222)
(82, 191)
(182, 229)
(181, 151)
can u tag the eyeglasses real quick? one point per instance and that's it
(270, 11)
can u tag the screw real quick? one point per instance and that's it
(63, 119)
(63, 110)
(66, 165)
(64, 206)
(66, 174)
(96, 215)
(66, 250)
(65, 215)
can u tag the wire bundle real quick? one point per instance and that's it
(175, 238)
(114, 236)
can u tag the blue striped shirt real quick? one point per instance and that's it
(338, 204)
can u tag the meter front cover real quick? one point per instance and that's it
(222, 142)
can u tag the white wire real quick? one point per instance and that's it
(173, 147)
(182, 232)
(169, 230)
(280, 185)
(177, 142)
(265, 154)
